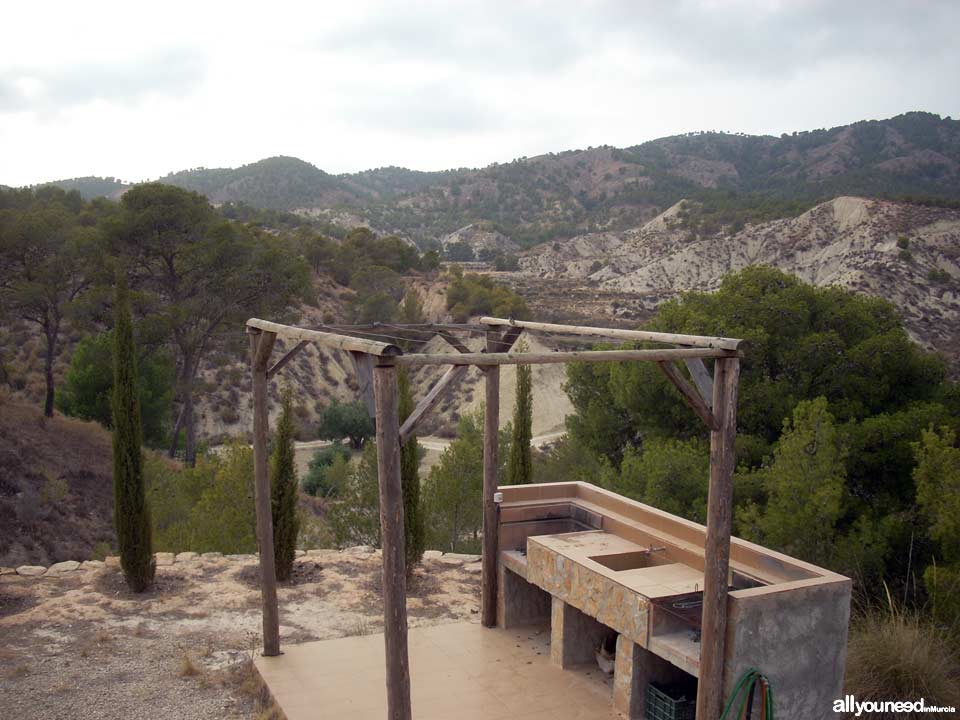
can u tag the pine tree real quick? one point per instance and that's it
(413, 527)
(283, 492)
(520, 463)
(131, 516)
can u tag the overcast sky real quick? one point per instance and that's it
(136, 90)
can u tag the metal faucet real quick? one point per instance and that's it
(653, 549)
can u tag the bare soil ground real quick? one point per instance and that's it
(83, 646)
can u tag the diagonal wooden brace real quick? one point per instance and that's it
(690, 393)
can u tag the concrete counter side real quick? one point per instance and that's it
(796, 635)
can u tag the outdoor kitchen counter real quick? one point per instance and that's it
(581, 570)
(659, 576)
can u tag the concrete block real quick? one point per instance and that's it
(164, 558)
(635, 667)
(574, 637)
(519, 602)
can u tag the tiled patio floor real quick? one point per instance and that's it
(459, 671)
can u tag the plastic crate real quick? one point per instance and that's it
(671, 702)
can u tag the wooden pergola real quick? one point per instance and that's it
(712, 398)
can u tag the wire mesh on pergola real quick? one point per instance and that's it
(377, 350)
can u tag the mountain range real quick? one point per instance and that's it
(733, 178)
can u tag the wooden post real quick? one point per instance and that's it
(391, 526)
(261, 345)
(491, 433)
(717, 548)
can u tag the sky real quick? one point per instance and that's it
(136, 90)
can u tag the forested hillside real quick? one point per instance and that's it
(736, 178)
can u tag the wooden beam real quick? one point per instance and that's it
(672, 338)
(371, 328)
(363, 364)
(542, 358)
(508, 338)
(261, 345)
(717, 547)
(491, 529)
(343, 342)
(701, 378)
(391, 529)
(454, 342)
(279, 365)
(690, 394)
(430, 400)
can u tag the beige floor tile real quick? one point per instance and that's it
(460, 671)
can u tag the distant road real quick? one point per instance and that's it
(439, 444)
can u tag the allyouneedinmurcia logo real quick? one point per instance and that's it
(848, 704)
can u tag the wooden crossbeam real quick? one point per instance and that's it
(453, 341)
(690, 394)
(546, 358)
(701, 378)
(430, 400)
(671, 338)
(508, 338)
(344, 342)
(278, 366)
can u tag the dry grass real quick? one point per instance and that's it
(894, 654)
(249, 685)
(358, 628)
(187, 667)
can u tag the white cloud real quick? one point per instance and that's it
(107, 88)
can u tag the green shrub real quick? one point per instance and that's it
(413, 528)
(88, 384)
(939, 276)
(283, 492)
(355, 519)
(346, 420)
(520, 461)
(318, 481)
(474, 294)
(131, 514)
(205, 508)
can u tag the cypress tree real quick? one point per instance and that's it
(131, 516)
(520, 462)
(413, 527)
(283, 492)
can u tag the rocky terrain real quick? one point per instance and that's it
(909, 254)
(77, 644)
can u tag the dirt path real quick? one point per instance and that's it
(434, 446)
(83, 646)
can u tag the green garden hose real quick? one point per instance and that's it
(749, 683)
